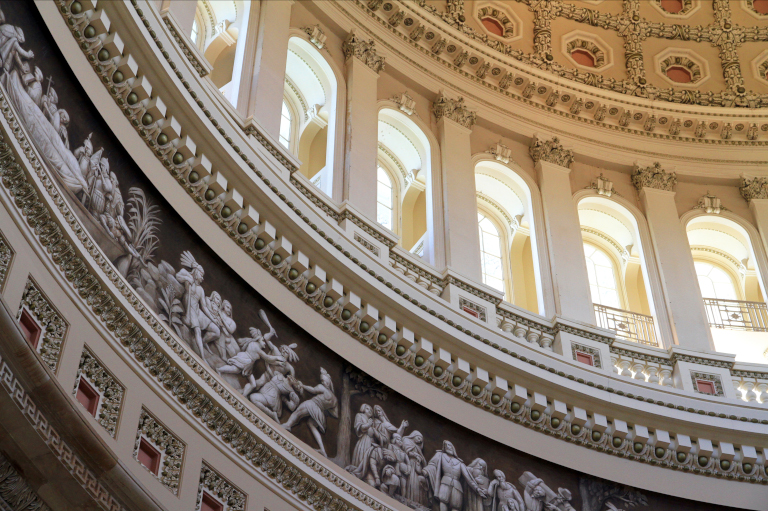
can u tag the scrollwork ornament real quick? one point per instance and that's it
(653, 177)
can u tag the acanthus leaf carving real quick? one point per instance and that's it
(550, 151)
(653, 177)
(453, 109)
(754, 188)
(353, 46)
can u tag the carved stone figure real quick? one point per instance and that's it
(416, 486)
(535, 496)
(196, 317)
(399, 457)
(472, 501)
(274, 393)
(383, 428)
(314, 410)
(390, 482)
(503, 494)
(446, 472)
(361, 457)
(253, 348)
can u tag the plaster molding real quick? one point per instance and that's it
(754, 188)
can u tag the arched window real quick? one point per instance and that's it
(285, 127)
(384, 199)
(195, 31)
(714, 281)
(490, 253)
(602, 277)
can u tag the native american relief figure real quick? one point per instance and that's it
(197, 316)
(314, 410)
(473, 501)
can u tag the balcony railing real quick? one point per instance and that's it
(627, 325)
(737, 315)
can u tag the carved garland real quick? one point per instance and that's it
(15, 493)
(54, 327)
(170, 447)
(653, 177)
(110, 390)
(713, 378)
(217, 486)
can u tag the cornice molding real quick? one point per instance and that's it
(453, 109)
(363, 50)
(550, 151)
(653, 176)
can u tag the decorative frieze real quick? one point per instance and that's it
(6, 258)
(15, 493)
(353, 46)
(453, 109)
(54, 327)
(170, 447)
(550, 151)
(216, 486)
(111, 392)
(754, 188)
(653, 177)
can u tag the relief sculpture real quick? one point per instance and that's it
(375, 434)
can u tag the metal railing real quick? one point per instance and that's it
(627, 325)
(737, 315)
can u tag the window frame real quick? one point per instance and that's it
(736, 281)
(297, 120)
(396, 194)
(506, 246)
(202, 30)
(619, 270)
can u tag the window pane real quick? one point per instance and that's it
(285, 127)
(602, 277)
(384, 198)
(490, 253)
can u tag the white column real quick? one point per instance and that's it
(690, 327)
(759, 206)
(260, 57)
(561, 217)
(362, 135)
(183, 13)
(462, 239)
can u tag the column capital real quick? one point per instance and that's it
(353, 46)
(550, 151)
(753, 188)
(453, 109)
(653, 177)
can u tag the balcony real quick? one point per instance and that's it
(737, 315)
(628, 325)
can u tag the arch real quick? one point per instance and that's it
(519, 203)
(647, 286)
(319, 91)
(742, 231)
(220, 21)
(415, 161)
